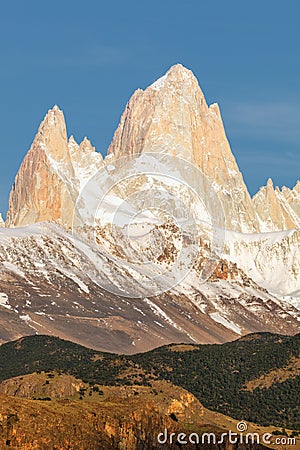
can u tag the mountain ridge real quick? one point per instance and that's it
(149, 123)
(48, 284)
(69, 280)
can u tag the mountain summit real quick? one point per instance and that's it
(41, 188)
(278, 209)
(172, 116)
(48, 181)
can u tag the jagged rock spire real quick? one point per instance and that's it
(50, 177)
(172, 116)
(41, 189)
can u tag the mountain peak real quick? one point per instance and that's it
(55, 108)
(270, 184)
(72, 140)
(40, 192)
(52, 135)
(177, 75)
(171, 116)
(276, 209)
(86, 145)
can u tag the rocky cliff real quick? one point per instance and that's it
(41, 191)
(122, 418)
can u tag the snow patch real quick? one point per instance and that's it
(159, 84)
(4, 300)
(226, 323)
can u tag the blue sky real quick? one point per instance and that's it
(88, 57)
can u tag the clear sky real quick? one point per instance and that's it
(89, 56)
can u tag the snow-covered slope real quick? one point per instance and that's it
(47, 285)
(271, 259)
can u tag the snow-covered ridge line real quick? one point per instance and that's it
(59, 280)
(271, 259)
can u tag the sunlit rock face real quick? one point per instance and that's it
(172, 116)
(48, 181)
(41, 191)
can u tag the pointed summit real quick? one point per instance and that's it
(86, 145)
(72, 140)
(41, 191)
(176, 76)
(85, 160)
(180, 71)
(52, 135)
(172, 116)
(292, 201)
(55, 168)
(53, 118)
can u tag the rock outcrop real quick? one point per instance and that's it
(39, 386)
(2, 223)
(85, 160)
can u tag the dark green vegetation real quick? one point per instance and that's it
(215, 374)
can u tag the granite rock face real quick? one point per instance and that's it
(48, 181)
(172, 116)
(41, 191)
(254, 285)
